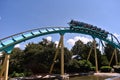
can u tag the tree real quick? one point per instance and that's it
(85, 65)
(67, 59)
(80, 49)
(104, 61)
(16, 61)
(83, 50)
(77, 49)
(109, 49)
(73, 66)
(39, 56)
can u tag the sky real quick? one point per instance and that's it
(21, 15)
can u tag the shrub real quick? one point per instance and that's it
(105, 69)
(76, 66)
(73, 66)
(15, 74)
(117, 68)
(85, 65)
(93, 68)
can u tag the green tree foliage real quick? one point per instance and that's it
(16, 60)
(104, 60)
(73, 66)
(109, 49)
(82, 50)
(108, 53)
(67, 56)
(67, 59)
(36, 58)
(85, 65)
(79, 66)
(39, 56)
(78, 48)
(105, 69)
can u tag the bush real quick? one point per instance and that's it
(28, 73)
(116, 68)
(73, 66)
(105, 69)
(15, 74)
(85, 65)
(76, 66)
(93, 68)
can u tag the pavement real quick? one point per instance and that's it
(114, 76)
(107, 74)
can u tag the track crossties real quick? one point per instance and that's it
(8, 43)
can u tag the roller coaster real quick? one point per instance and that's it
(75, 25)
(7, 44)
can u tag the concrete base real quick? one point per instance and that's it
(64, 77)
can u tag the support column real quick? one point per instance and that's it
(62, 55)
(5, 67)
(89, 53)
(96, 60)
(112, 57)
(55, 57)
(61, 46)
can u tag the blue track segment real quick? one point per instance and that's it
(7, 44)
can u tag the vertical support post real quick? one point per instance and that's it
(89, 53)
(56, 54)
(96, 60)
(112, 57)
(7, 66)
(3, 68)
(62, 55)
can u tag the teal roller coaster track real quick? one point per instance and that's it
(8, 43)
